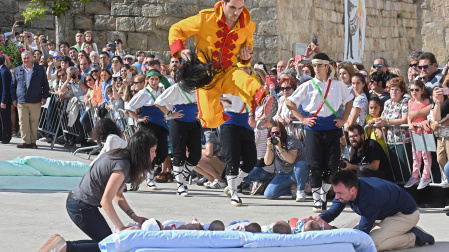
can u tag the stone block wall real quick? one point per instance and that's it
(394, 28)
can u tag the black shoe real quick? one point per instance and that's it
(33, 146)
(324, 206)
(422, 237)
(24, 146)
(125, 189)
(134, 187)
(433, 205)
(5, 142)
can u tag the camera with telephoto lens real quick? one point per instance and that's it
(341, 163)
(73, 76)
(273, 140)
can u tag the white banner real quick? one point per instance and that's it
(355, 22)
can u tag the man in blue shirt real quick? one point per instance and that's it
(377, 199)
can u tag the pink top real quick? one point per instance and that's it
(414, 106)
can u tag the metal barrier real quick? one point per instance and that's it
(50, 117)
(420, 142)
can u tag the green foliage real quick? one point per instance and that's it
(12, 52)
(37, 8)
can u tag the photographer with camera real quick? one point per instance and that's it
(289, 157)
(367, 157)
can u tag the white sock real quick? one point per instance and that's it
(316, 195)
(324, 189)
(241, 176)
(150, 176)
(232, 184)
(177, 171)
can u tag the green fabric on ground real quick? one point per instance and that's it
(38, 183)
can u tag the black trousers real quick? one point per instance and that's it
(185, 135)
(365, 172)
(5, 124)
(323, 153)
(162, 144)
(238, 144)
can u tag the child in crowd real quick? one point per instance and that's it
(375, 111)
(116, 103)
(89, 37)
(360, 106)
(417, 102)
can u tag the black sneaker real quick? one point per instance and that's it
(422, 237)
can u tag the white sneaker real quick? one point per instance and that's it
(217, 184)
(444, 184)
(207, 184)
(151, 186)
(300, 196)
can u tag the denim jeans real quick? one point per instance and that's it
(446, 170)
(89, 219)
(281, 184)
(258, 173)
(85, 121)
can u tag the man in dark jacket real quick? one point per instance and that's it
(5, 97)
(377, 199)
(29, 90)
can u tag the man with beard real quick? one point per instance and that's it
(377, 199)
(367, 157)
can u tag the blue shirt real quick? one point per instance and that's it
(139, 67)
(376, 199)
(105, 96)
(28, 75)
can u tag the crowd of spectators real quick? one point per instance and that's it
(107, 77)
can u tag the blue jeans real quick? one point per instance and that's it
(281, 184)
(258, 173)
(85, 120)
(89, 219)
(446, 170)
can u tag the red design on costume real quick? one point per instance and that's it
(176, 46)
(223, 55)
(257, 97)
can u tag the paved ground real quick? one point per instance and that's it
(29, 218)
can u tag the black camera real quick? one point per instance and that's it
(341, 163)
(273, 140)
(73, 76)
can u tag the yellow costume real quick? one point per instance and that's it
(212, 34)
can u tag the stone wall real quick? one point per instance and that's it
(433, 29)
(394, 28)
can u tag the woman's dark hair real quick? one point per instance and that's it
(195, 74)
(310, 67)
(104, 128)
(379, 76)
(118, 58)
(107, 71)
(138, 153)
(321, 56)
(67, 60)
(363, 80)
(281, 129)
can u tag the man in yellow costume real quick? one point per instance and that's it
(224, 31)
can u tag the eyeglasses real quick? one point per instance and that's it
(104, 75)
(94, 71)
(147, 62)
(115, 61)
(285, 88)
(425, 67)
(277, 133)
(354, 136)
(378, 66)
(62, 75)
(415, 89)
(88, 79)
(413, 65)
(56, 57)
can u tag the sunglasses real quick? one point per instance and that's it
(425, 67)
(128, 58)
(134, 91)
(115, 61)
(87, 46)
(275, 133)
(94, 71)
(372, 81)
(415, 89)
(137, 82)
(147, 62)
(56, 57)
(89, 79)
(285, 88)
(413, 65)
(62, 75)
(378, 66)
(104, 75)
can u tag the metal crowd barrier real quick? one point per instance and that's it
(420, 142)
(50, 117)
